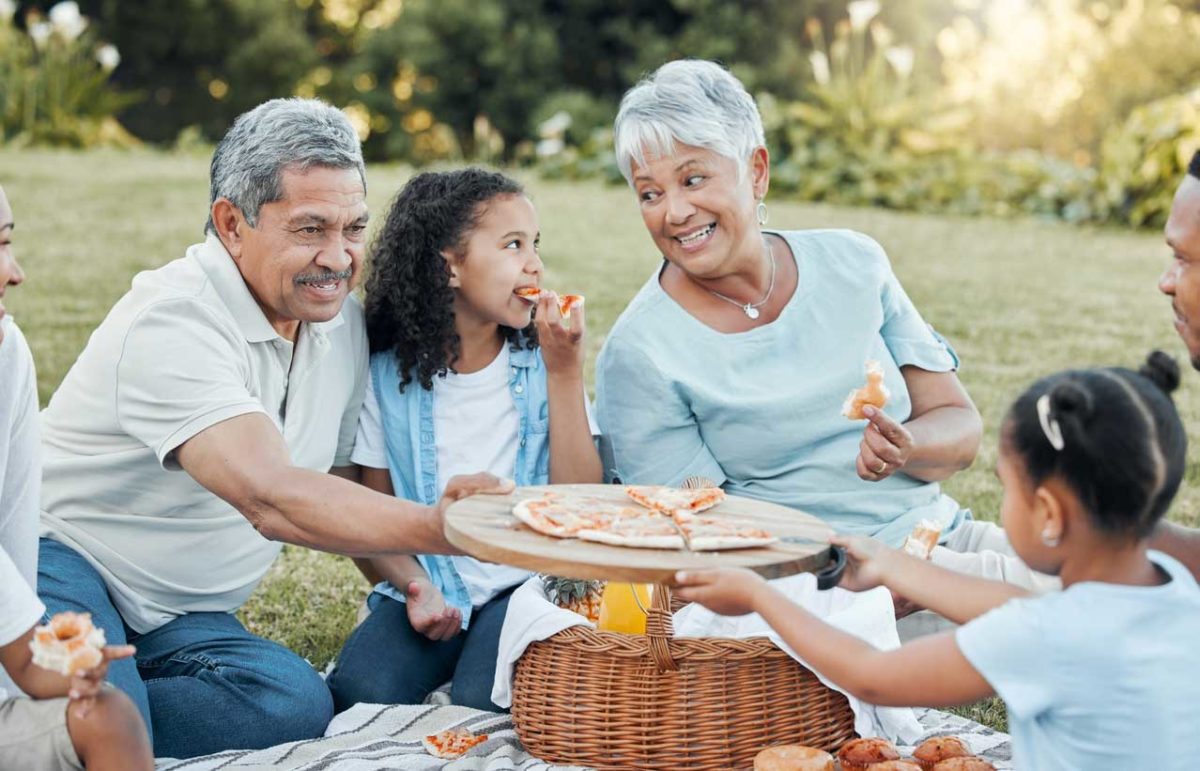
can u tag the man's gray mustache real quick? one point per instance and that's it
(323, 278)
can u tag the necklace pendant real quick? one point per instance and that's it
(750, 311)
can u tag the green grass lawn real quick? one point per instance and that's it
(1017, 299)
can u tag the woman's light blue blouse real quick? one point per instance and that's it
(760, 411)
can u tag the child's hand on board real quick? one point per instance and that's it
(727, 591)
(562, 345)
(868, 562)
(428, 612)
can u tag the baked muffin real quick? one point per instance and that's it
(932, 751)
(894, 765)
(857, 754)
(793, 757)
(964, 764)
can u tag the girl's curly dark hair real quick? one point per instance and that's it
(409, 302)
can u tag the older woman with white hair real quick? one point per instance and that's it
(733, 360)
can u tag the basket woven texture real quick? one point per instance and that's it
(619, 701)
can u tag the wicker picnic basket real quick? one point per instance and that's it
(611, 700)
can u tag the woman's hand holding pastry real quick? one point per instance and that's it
(86, 684)
(428, 612)
(562, 345)
(727, 591)
(885, 447)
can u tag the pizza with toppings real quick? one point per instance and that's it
(565, 302)
(653, 530)
(452, 743)
(563, 516)
(674, 500)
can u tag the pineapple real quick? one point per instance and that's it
(576, 595)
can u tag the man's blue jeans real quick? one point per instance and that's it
(386, 661)
(202, 682)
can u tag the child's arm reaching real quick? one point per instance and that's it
(573, 455)
(427, 610)
(930, 672)
(82, 687)
(956, 596)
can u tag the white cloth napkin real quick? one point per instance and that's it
(531, 617)
(869, 616)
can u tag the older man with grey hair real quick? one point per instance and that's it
(195, 431)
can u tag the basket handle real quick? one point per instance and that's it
(659, 628)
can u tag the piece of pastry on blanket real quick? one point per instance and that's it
(69, 644)
(874, 393)
(938, 748)
(793, 757)
(861, 753)
(452, 743)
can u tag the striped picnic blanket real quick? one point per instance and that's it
(369, 737)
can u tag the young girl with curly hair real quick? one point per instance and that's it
(1102, 674)
(462, 379)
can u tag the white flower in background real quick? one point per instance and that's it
(66, 19)
(901, 58)
(108, 56)
(548, 147)
(40, 32)
(555, 125)
(8, 9)
(861, 12)
(820, 67)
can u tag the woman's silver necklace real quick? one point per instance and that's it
(751, 309)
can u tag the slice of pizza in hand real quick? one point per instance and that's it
(568, 301)
(676, 502)
(874, 393)
(709, 534)
(529, 293)
(452, 743)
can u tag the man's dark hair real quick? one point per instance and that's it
(1194, 166)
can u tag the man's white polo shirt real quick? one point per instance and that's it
(186, 348)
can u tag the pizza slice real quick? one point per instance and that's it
(648, 531)
(709, 534)
(680, 503)
(922, 539)
(874, 393)
(565, 302)
(563, 516)
(452, 743)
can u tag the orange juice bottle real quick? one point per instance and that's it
(619, 608)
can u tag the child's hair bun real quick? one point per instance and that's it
(1162, 370)
(1069, 398)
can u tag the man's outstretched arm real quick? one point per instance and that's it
(244, 461)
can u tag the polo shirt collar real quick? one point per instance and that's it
(220, 268)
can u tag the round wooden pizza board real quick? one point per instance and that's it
(484, 527)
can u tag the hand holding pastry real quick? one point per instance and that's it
(428, 612)
(86, 684)
(885, 447)
(727, 591)
(561, 343)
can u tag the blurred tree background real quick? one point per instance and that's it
(1083, 110)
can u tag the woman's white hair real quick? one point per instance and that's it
(690, 101)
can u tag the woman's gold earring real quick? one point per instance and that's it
(762, 213)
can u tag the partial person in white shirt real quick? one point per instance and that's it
(68, 723)
(1100, 675)
(461, 377)
(208, 420)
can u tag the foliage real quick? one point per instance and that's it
(54, 82)
(1143, 159)
(1053, 75)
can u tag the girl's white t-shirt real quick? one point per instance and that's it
(477, 429)
(20, 609)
